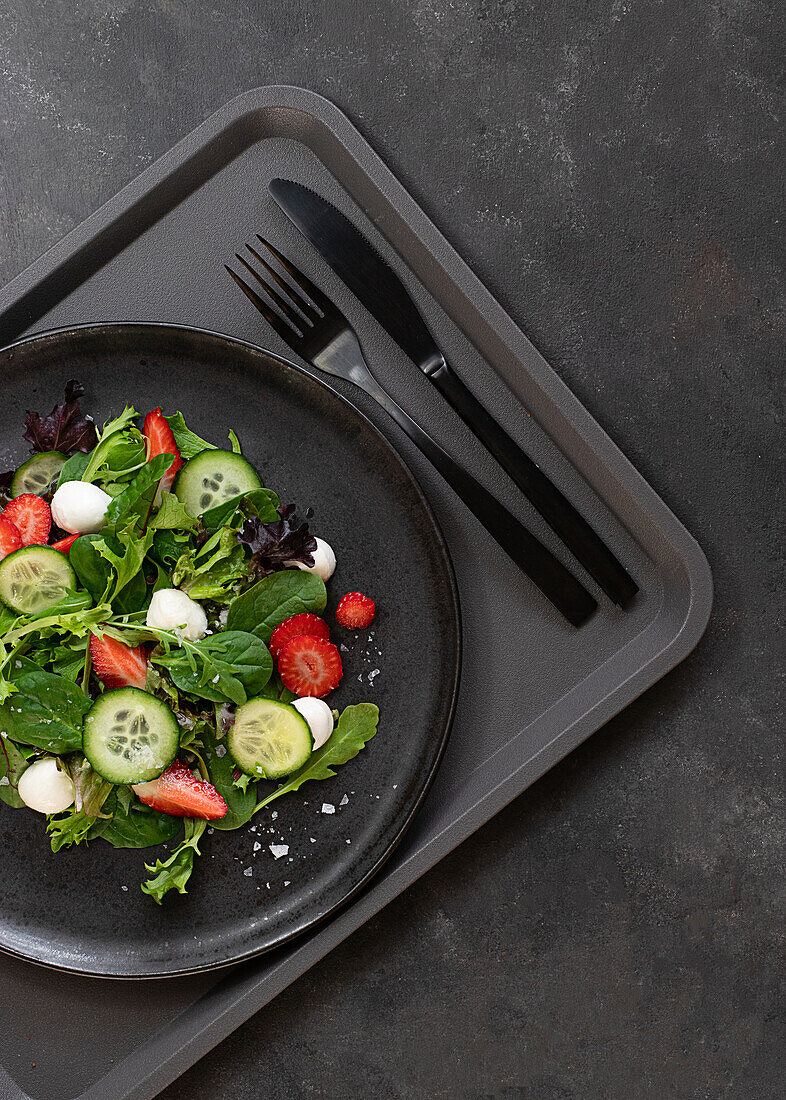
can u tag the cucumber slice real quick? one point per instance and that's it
(38, 475)
(213, 477)
(129, 736)
(34, 578)
(269, 739)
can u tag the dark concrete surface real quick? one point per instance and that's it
(611, 170)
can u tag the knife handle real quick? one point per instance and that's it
(549, 574)
(583, 542)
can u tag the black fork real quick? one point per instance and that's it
(315, 328)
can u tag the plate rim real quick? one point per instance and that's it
(455, 606)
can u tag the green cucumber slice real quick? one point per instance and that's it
(34, 578)
(38, 475)
(213, 477)
(269, 739)
(130, 736)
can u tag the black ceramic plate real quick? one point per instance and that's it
(83, 910)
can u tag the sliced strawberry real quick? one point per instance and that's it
(10, 539)
(355, 611)
(310, 666)
(294, 627)
(118, 665)
(31, 516)
(65, 544)
(179, 792)
(161, 441)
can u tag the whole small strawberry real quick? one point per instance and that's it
(355, 611)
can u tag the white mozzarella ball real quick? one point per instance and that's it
(319, 717)
(79, 507)
(324, 561)
(171, 609)
(44, 787)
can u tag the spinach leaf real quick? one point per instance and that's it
(12, 764)
(262, 607)
(230, 665)
(172, 515)
(134, 825)
(125, 554)
(213, 571)
(168, 546)
(188, 442)
(356, 726)
(133, 505)
(96, 572)
(256, 502)
(45, 711)
(221, 768)
(73, 468)
(174, 873)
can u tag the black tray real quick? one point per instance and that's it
(532, 688)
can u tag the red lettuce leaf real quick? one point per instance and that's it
(274, 545)
(65, 428)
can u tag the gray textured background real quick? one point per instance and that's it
(611, 170)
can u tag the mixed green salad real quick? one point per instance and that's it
(163, 654)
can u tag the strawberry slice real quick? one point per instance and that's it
(118, 665)
(161, 441)
(310, 666)
(355, 611)
(179, 792)
(65, 544)
(31, 516)
(10, 539)
(294, 627)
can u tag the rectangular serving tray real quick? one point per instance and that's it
(532, 687)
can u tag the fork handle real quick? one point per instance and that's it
(532, 557)
(579, 537)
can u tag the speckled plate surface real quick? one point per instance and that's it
(83, 910)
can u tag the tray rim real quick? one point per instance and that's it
(166, 1054)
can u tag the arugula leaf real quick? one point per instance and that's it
(65, 429)
(72, 828)
(231, 665)
(188, 442)
(171, 515)
(262, 607)
(73, 468)
(126, 562)
(213, 571)
(95, 572)
(263, 503)
(12, 764)
(356, 726)
(134, 825)
(221, 769)
(136, 500)
(174, 873)
(46, 711)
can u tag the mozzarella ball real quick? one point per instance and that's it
(171, 609)
(319, 717)
(324, 561)
(79, 507)
(44, 787)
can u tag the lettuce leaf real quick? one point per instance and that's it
(174, 873)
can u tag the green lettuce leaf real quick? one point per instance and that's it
(74, 827)
(262, 607)
(214, 570)
(188, 442)
(12, 764)
(171, 515)
(174, 873)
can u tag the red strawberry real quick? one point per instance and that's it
(179, 792)
(10, 539)
(161, 441)
(118, 665)
(310, 666)
(355, 611)
(31, 517)
(305, 623)
(65, 544)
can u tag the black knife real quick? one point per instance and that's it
(376, 285)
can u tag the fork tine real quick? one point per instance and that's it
(312, 314)
(302, 280)
(283, 305)
(282, 328)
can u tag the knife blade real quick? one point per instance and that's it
(374, 283)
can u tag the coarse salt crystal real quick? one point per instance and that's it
(257, 845)
(279, 850)
(328, 808)
(221, 750)
(313, 839)
(344, 800)
(274, 815)
(248, 871)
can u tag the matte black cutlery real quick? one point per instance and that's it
(376, 285)
(316, 330)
